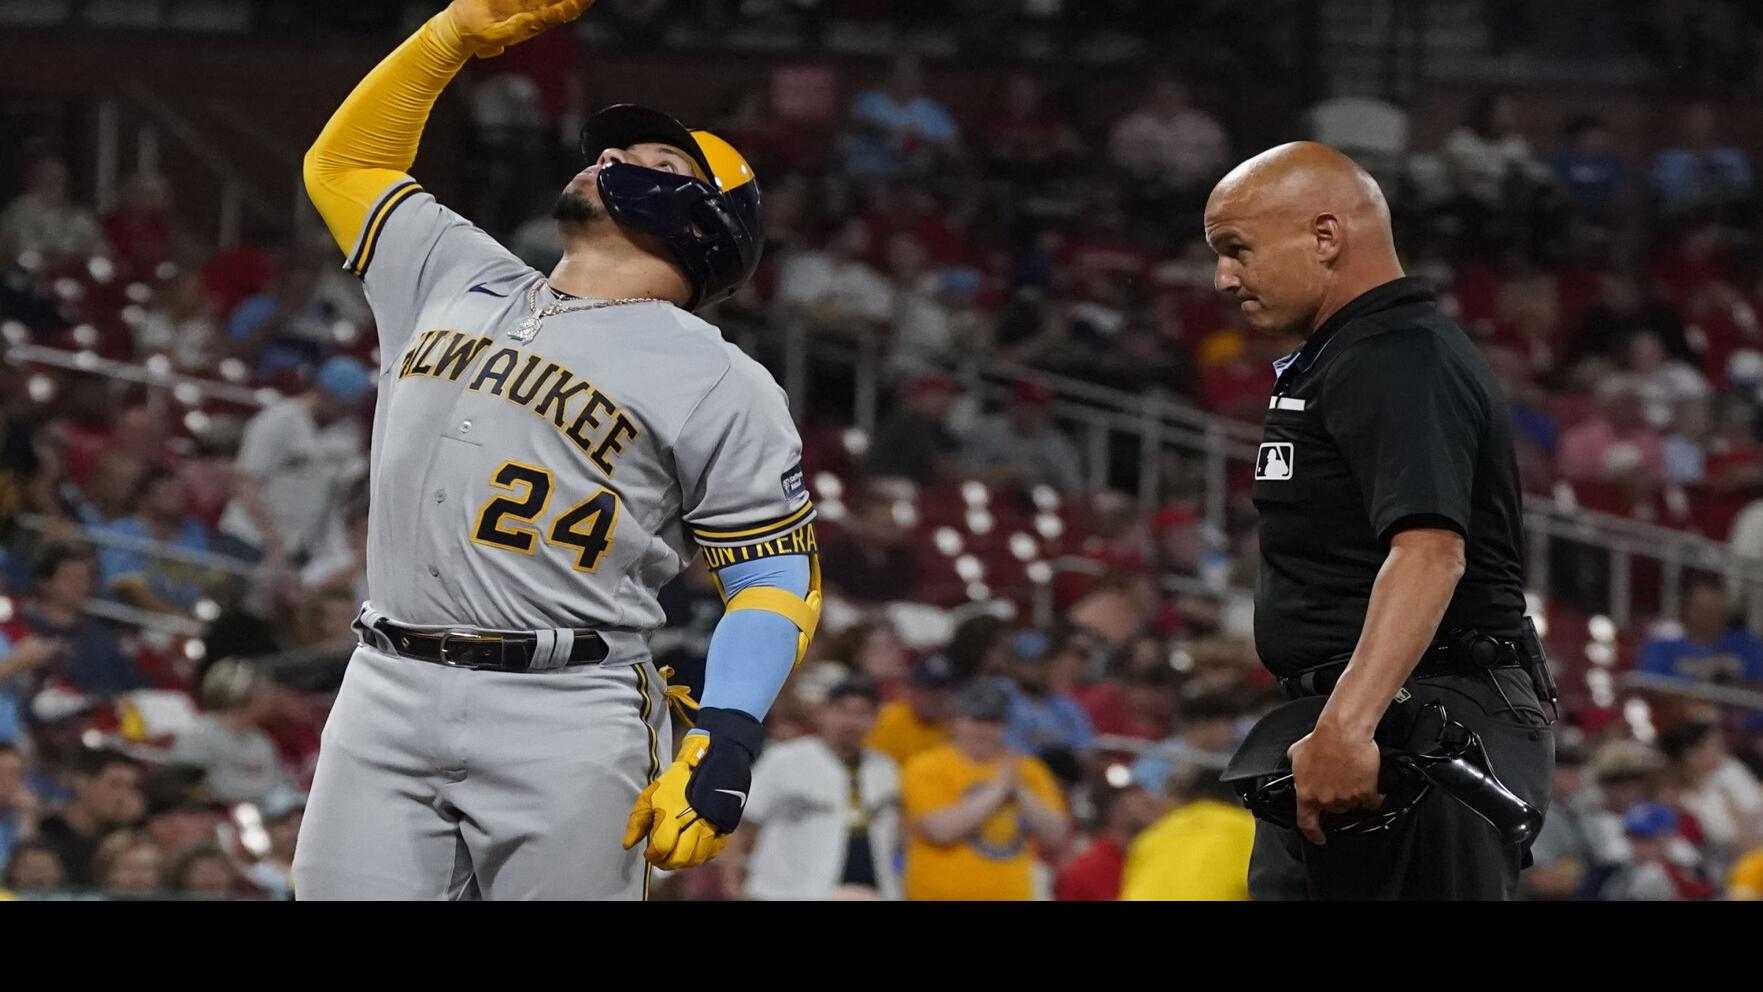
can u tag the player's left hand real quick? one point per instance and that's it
(688, 813)
(1333, 771)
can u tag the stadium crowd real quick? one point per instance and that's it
(181, 565)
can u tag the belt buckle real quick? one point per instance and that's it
(463, 635)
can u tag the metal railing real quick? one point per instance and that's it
(188, 389)
(1158, 426)
(238, 194)
(1161, 425)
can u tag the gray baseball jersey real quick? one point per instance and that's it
(558, 482)
(528, 484)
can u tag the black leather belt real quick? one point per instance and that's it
(497, 652)
(1463, 655)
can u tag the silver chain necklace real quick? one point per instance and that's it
(528, 328)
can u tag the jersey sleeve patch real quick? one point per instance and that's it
(795, 488)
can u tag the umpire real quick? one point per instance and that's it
(1392, 542)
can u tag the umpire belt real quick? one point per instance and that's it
(528, 651)
(1459, 653)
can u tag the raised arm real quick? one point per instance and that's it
(370, 142)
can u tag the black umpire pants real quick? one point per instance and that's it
(1441, 850)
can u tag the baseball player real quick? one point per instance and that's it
(548, 451)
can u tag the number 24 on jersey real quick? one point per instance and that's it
(510, 520)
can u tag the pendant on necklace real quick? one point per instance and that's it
(525, 330)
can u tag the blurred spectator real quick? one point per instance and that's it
(873, 649)
(1734, 460)
(1236, 373)
(972, 807)
(823, 818)
(933, 319)
(109, 494)
(897, 130)
(24, 485)
(175, 819)
(1588, 169)
(19, 806)
(45, 220)
(90, 657)
(916, 443)
(1197, 851)
(1746, 881)
(234, 275)
(869, 557)
(152, 580)
(238, 760)
(1652, 875)
(1209, 736)
(977, 647)
(1615, 445)
(1022, 447)
(21, 663)
(203, 872)
(1563, 854)
(1139, 703)
(1170, 143)
(140, 230)
(1181, 547)
(287, 326)
(1716, 788)
(1095, 874)
(1622, 309)
(1041, 718)
(1491, 166)
(35, 867)
(343, 567)
(1705, 646)
(1663, 381)
(128, 864)
(1626, 772)
(107, 795)
(182, 323)
(834, 287)
(1685, 447)
(936, 224)
(296, 461)
(274, 872)
(1700, 174)
(1029, 141)
(919, 721)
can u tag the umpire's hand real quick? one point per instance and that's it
(489, 26)
(1333, 771)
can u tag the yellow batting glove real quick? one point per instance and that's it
(688, 813)
(489, 26)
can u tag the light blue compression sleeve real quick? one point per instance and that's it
(753, 651)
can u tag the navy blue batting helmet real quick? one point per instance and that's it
(711, 223)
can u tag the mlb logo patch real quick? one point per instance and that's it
(795, 489)
(1274, 461)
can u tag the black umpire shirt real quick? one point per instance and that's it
(1387, 419)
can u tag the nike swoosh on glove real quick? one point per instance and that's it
(689, 811)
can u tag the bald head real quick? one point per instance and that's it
(1300, 230)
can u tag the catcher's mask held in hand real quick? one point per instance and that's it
(714, 229)
(1423, 749)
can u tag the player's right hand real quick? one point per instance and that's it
(489, 26)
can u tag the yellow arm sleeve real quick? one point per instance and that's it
(371, 140)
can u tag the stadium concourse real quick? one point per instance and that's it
(974, 300)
